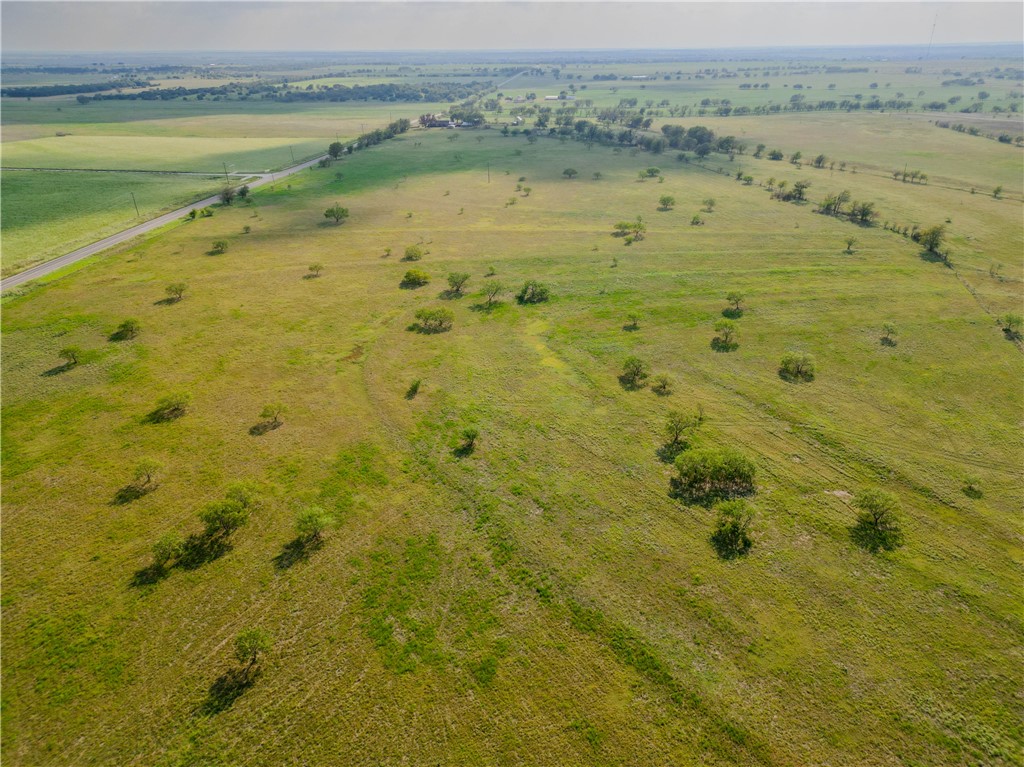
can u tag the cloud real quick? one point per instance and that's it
(440, 25)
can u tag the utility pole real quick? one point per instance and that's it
(488, 173)
(293, 153)
(137, 214)
(226, 179)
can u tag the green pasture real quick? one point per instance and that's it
(540, 598)
(158, 153)
(48, 214)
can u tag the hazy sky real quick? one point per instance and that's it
(431, 25)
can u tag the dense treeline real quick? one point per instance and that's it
(39, 91)
(449, 91)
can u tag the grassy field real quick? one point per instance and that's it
(540, 598)
(48, 214)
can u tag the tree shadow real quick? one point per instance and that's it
(887, 341)
(229, 687)
(464, 450)
(629, 327)
(1011, 335)
(200, 549)
(972, 492)
(936, 258)
(149, 576)
(662, 391)
(298, 550)
(702, 496)
(120, 335)
(873, 540)
(788, 377)
(310, 276)
(426, 330)
(131, 492)
(485, 307)
(258, 430)
(732, 312)
(166, 301)
(56, 371)
(629, 383)
(163, 415)
(722, 346)
(450, 295)
(668, 452)
(410, 284)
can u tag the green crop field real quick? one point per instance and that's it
(538, 595)
(48, 214)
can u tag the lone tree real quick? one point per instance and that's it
(168, 547)
(129, 328)
(336, 212)
(228, 194)
(877, 525)
(311, 524)
(932, 237)
(456, 281)
(435, 320)
(176, 290)
(633, 321)
(315, 269)
(220, 246)
(662, 384)
(493, 290)
(666, 201)
(570, 173)
(889, 333)
(1011, 324)
(171, 406)
(469, 437)
(532, 292)
(250, 644)
(714, 472)
(709, 205)
(797, 366)
(335, 150)
(222, 518)
(736, 299)
(677, 424)
(71, 355)
(273, 411)
(413, 253)
(726, 338)
(415, 278)
(731, 537)
(146, 470)
(634, 372)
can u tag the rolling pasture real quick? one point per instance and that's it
(538, 595)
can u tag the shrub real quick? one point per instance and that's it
(171, 406)
(220, 246)
(714, 472)
(662, 385)
(415, 278)
(731, 536)
(796, 366)
(413, 253)
(128, 329)
(168, 547)
(435, 320)
(532, 292)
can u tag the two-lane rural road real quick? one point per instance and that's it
(47, 267)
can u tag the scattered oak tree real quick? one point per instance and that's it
(731, 537)
(634, 372)
(714, 473)
(532, 292)
(71, 355)
(315, 269)
(250, 645)
(311, 523)
(570, 173)
(456, 282)
(415, 278)
(176, 290)
(493, 290)
(336, 212)
(877, 524)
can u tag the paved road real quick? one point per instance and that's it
(47, 267)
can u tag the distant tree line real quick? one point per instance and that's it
(39, 91)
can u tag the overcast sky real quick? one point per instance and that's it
(432, 25)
